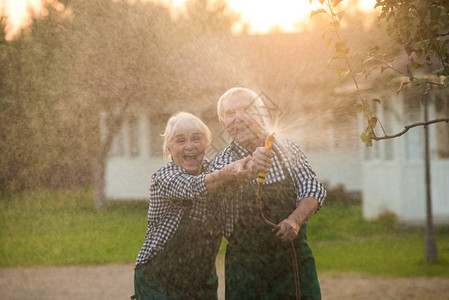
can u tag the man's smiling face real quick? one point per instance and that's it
(237, 118)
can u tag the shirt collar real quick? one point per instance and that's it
(240, 150)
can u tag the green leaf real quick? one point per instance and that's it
(340, 48)
(363, 137)
(366, 136)
(329, 61)
(416, 66)
(334, 26)
(336, 2)
(358, 107)
(373, 122)
(423, 82)
(446, 82)
(341, 14)
(340, 44)
(318, 11)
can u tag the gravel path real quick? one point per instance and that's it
(111, 282)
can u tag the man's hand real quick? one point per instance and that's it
(262, 160)
(288, 230)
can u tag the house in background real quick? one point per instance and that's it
(289, 71)
(393, 171)
(292, 76)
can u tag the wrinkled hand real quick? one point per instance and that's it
(242, 170)
(261, 160)
(287, 230)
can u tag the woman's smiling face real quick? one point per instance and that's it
(187, 148)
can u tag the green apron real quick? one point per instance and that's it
(185, 268)
(258, 265)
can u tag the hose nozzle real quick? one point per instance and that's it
(268, 145)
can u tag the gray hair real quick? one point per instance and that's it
(253, 100)
(183, 120)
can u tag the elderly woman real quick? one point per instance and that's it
(177, 259)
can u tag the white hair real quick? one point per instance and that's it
(253, 99)
(183, 120)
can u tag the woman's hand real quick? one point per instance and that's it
(242, 170)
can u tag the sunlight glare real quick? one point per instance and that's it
(261, 16)
(18, 15)
(367, 4)
(266, 15)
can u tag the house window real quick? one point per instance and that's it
(126, 139)
(373, 152)
(118, 144)
(388, 149)
(414, 137)
(157, 127)
(133, 130)
(442, 128)
(388, 113)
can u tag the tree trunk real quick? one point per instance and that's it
(431, 247)
(99, 183)
(112, 124)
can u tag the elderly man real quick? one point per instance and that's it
(258, 264)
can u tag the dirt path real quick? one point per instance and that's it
(112, 282)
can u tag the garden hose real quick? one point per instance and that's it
(261, 179)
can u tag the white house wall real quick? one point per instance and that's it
(398, 184)
(401, 190)
(440, 191)
(381, 188)
(337, 167)
(128, 177)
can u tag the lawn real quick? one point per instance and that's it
(343, 241)
(62, 228)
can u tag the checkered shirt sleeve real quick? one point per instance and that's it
(172, 191)
(303, 176)
(288, 153)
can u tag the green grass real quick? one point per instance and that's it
(343, 241)
(62, 228)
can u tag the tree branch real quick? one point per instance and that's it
(410, 76)
(386, 137)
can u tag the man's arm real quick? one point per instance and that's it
(289, 228)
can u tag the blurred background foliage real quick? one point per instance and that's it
(57, 77)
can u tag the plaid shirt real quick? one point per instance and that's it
(288, 153)
(172, 191)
